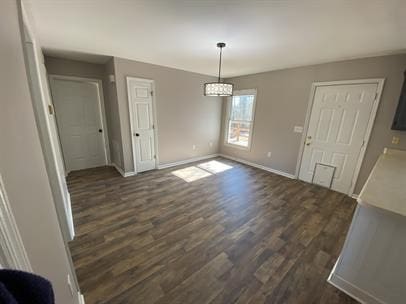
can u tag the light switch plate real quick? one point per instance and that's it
(298, 129)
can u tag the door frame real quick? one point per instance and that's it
(154, 118)
(47, 130)
(380, 83)
(101, 103)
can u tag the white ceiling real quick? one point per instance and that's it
(260, 35)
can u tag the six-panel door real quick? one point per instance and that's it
(142, 124)
(337, 129)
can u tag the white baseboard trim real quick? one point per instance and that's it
(186, 161)
(121, 171)
(127, 174)
(353, 291)
(118, 168)
(243, 161)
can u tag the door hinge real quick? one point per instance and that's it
(376, 96)
(50, 109)
(363, 143)
(154, 156)
(152, 93)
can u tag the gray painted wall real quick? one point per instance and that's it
(282, 102)
(22, 163)
(113, 116)
(68, 67)
(185, 117)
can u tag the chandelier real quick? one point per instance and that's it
(218, 88)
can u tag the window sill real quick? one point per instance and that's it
(237, 147)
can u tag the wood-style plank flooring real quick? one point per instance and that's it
(242, 235)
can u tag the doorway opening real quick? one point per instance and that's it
(81, 121)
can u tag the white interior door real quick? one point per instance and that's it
(337, 129)
(79, 118)
(141, 114)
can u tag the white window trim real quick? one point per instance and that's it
(227, 118)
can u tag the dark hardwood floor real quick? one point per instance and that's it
(242, 235)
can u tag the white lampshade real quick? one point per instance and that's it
(218, 89)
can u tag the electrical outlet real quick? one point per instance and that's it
(298, 129)
(395, 140)
(194, 147)
(269, 154)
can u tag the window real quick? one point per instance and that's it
(240, 119)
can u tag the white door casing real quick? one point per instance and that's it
(141, 110)
(338, 130)
(79, 113)
(47, 129)
(48, 134)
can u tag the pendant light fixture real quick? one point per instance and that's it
(218, 88)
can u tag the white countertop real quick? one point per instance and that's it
(386, 185)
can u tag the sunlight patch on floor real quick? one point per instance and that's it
(193, 173)
(214, 166)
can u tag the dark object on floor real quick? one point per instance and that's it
(19, 287)
(5, 296)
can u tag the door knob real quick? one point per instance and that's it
(100, 130)
(137, 134)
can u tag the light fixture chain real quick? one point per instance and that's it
(221, 51)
